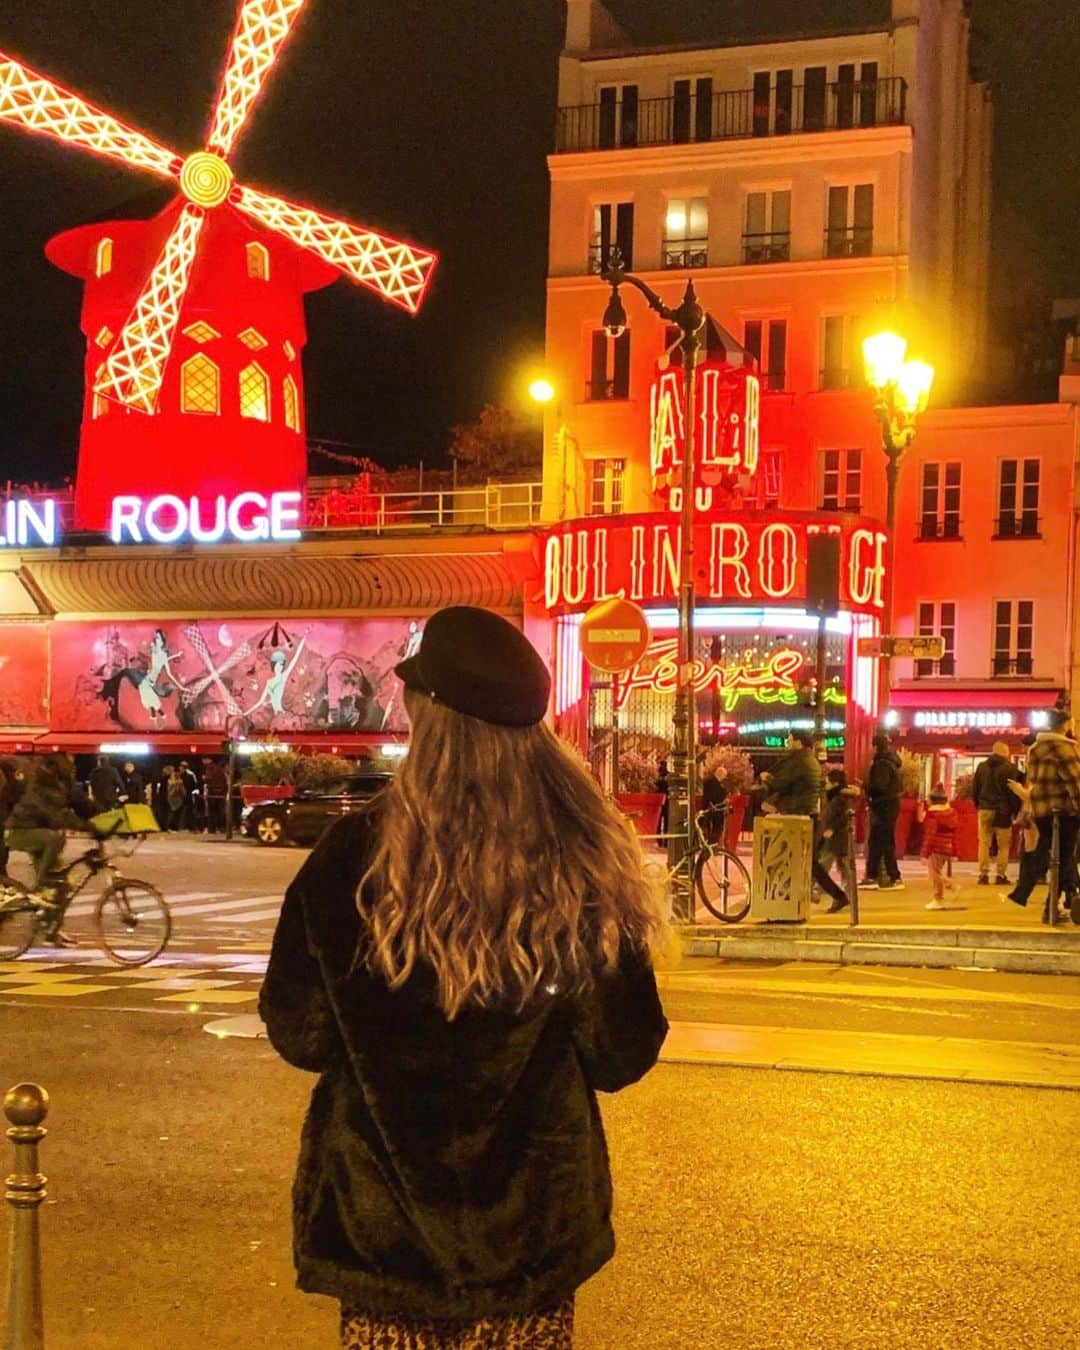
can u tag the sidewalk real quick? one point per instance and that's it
(980, 929)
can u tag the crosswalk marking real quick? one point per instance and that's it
(271, 913)
(185, 911)
(89, 905)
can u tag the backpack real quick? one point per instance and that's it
(176, 793)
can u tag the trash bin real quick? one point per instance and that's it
(783, 853)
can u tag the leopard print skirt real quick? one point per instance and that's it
(547, 1329)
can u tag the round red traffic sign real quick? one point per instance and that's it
(614, 635)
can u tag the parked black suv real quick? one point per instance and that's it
(304, 818)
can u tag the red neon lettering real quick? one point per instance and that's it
(866, 567)
(775, 682)
(731, 554)
(665, 579)
(777, 553)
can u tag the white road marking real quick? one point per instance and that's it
(257, 914)
(220, 906)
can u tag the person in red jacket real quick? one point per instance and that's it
(939, 845)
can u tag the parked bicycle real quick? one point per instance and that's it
(721, 879)
(132, 922)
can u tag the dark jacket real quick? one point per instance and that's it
(795, 786)
(447, 1169)
(836, 820)
(883, 783)
(135, 787)
(991, 789)
(106, 786)
(50, 801)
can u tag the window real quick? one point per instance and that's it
(606, 486)
(613, 224)
(686, 233)
(100, 406)
(289, 350)
(1018, 499)
(610, 369)
(813, 101)
(201, 332)
(939, 505)
(691, 110)
(1014, 626)
(104, 337)
(841, 356)
(200, 385)
(938, 619)
(104, 259)
(255, 393)
(767, 237)
(258, 262)
(856, 100)
(767, 482)
(618, 115)
(292, 403)
(841, 480)
(850, 229)
(773, 96)
(252, 340)
(766, 339)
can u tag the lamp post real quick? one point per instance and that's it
(689, 318)
(901, 392)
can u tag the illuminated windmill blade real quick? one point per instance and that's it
(33, 101)
(397, 271)
(133, 371)
(261, 30)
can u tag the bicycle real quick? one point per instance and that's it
(721, 879)
(131, 919)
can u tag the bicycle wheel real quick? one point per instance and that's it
(723, 883)
(18, 919)
(133, 923)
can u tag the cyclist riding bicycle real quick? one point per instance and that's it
(51, 803)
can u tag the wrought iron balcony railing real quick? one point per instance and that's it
(684, 253)
(854, 241)
(939, 527)
(1023, 525)
(734, 114)
(773, 246)
(598, 390)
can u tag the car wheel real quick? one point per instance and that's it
(270, 830)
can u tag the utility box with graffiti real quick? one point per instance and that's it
(783, 852)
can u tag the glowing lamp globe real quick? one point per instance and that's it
(913, 387)
(883, 358)
(542, 391)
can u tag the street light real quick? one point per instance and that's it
(689, 318)
(541, 390)
(901, 393)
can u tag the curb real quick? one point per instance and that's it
(971, 949)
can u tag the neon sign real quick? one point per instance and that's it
(247, 518)
(760, 557)
(27, 524)
(729, 417)
(774, 682)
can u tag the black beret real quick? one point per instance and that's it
(479, 664)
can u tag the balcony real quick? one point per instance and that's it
(841, 106)
(772, 247)
(603, 391)
(1026, 525)
(685, 253)
(839, 377)
(854, 241)
(937, 528)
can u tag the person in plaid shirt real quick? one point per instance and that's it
(1053, 778)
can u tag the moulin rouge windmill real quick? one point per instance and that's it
(194, 316)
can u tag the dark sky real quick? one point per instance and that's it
(430, 119)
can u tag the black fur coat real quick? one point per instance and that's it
(447, 1169)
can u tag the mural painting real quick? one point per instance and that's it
(24, 674)
(234, 677)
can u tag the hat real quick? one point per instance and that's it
(939, 794)
(479, 664)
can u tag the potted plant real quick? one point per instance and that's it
(735, 769)
(967, 818)
(636, 790)
(268, 777)
(911, 775)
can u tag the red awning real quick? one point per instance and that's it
(194, 743)
(975, 699)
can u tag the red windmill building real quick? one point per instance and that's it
(194, 317)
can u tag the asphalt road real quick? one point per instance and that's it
(753, 1209)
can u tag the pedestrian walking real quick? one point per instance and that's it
(714, 796)
(465, 963)
(176, 798)
(51, 802)
(883, 789)
(663, 786)
(1053, 781)
(12, 783)
(997, 806)
(215, 790)
(159, 796)
(835, 846)
(192, 796)
(134, 785)
(794, 789)
(939, 845)
(106, 785)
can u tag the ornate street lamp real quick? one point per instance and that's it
(689, 318)
(901, 392)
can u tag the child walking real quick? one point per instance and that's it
(939, 845)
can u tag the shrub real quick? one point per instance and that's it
(637, 772)
(738, 768)
(964, 787)
(313, 773)
(270, 768)
(911, 774)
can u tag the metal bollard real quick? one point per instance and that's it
(1055, 872)
(851, 876)
(25, 1106)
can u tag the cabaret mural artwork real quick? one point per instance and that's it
(235, 677)
(24, 663)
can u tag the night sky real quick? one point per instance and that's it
(430, 120)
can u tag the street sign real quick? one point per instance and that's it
(916, 648)
(614, 635)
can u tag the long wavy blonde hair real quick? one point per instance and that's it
(501, 866)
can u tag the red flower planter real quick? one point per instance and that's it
(643, 808)
(735, 819)
(967, 830)
(904, 822)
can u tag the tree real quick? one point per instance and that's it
(497, 444)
